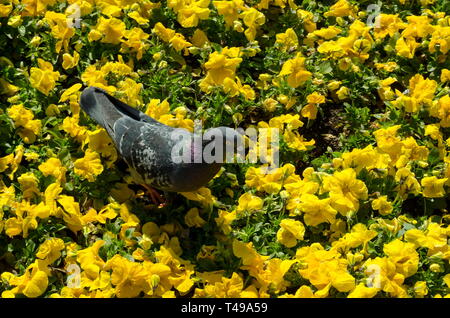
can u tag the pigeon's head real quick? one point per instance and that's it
(228, 140)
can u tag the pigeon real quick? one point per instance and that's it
(149, 146)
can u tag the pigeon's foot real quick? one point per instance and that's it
(157, 199)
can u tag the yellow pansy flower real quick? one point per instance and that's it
(443, 111)
(382, 205)
(358, 235)
(309, 111)
(135, 15)
(202, 195)
(445, 75)
(326, 33)
(32, 283)
(324, 269)
(295, 69)
(406, 47)
(433, 187)
(162, 32)
(420, 289)
(249, 203)
(362, 291)
(43, 78)
(100, 142)
(199, 38)
(404, 256)
(107, 212)
(340, 9)
(224, 220)
(28, 128)
(72, 215)
(89, 166)
(60, 28)
(110, 30)
(290, 231)
(129, 278)
(252, 18)
(220, 66)
(70, 61)
(135, 42)
(22, 223)
(345, 190)
(5, 9)
(50, 250)
(288, 40)
(193, 219)
(343, 92)
(51, 194)
(29, 184)
(387, 24)
(53, 167)
(316, 210)
(7, 88)
(190, 12)
(439, 39)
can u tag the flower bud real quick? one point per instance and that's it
(154, 281)
(14, 99)
(52, 110)
(270, 104)
(344, 63)
(334, 85)
(193, 50)
(237, 26)
(36, 40)
(283, 99)
(237, 118)
(337, 162)
(264, 77)
(284, 194)
(317, 81)
(341, 21)
(228, 109)
(435, 268)
(422, 164)
(15, 21)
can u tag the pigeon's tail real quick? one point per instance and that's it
(104, 108)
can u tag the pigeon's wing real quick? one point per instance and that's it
(131, 112)
(147, 149)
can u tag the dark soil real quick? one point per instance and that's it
(326, 131)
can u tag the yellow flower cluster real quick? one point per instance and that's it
(221, 71)
(177, 40)
(23, 119)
